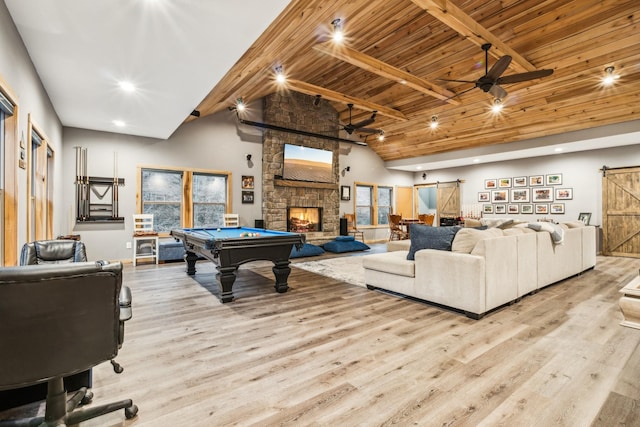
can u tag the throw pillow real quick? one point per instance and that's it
(345, 238)
(472, 223)
(342, 246)
(426, 237)
(467, 238)
(307, 250)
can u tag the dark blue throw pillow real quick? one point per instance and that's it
(345, 238)
(427, 237)
(337, 246)
(307, 250)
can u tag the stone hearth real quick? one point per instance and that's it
(296, 111)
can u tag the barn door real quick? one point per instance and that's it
(621, 212)
(448, 200)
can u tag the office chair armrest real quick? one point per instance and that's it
(125, 304)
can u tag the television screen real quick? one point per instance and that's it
(307, 164)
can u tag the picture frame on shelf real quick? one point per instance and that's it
(484, 196)
(345, 192)
(500, 196)
(513, 209)
(526, 209)
(544, 194)
(553, 179)
(504, 183)
(520, 195)
(536, 180)
(564, 193)
(520, 181)
(585, 217)
(557, 208)
(487, 208)
(500, 209)
(490, 184)
(247, 197)
(542, 208)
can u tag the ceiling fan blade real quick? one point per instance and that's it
(460, 93)
(499, 67)
(498, 92)
(523, 77)
(363, 123)
(456, 81)
(369, 130)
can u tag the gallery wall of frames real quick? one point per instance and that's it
(533, 194)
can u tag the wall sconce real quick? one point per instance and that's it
(195, 113)
(316, 102)
(249, 162)
(424, 176)
(347, 169)
(609, 77)
(338, 35)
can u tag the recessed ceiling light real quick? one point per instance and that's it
(127, 86)
(476, 160)
(338, 35)
(119, 123)
(609, 76)
(419, 167)
(557, 150)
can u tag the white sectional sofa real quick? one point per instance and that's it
(485, 269)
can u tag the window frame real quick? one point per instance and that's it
(375, 207)
(186, 202)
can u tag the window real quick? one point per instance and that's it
(364, 204)
(165, 194)
(373, 204)
(385, 196)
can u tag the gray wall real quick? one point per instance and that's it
(580, 171)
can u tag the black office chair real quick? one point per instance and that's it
(55, 321)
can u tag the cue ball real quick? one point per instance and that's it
(218, 229)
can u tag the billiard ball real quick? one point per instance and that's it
(218, 230)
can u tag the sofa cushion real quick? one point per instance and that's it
(427, 237)
(342, 246)
(465, 240)
(574, 224)
(472, 223)
(390, 262)
(398, 245)
(307, 250)
(345, 238)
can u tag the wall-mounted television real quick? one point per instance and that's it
(307, 164)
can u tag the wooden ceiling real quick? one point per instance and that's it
(395, 52)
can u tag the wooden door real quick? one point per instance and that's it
(448, 200)
(404, 202)
(621, 212)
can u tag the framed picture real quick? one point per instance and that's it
(520, 181)
(490, 184)
(564, 193)
(247, 197)
(557, 208)
(520, 195)
(554, 179)
(513, 209)
(526, 209)
(504, 183)
(500, 209)
(542, 208)
(585, 217)
(345, 192)
(500, 196)
(247, 182)
(536, 180)
(488, 209)
(484, 196)
(542, 194)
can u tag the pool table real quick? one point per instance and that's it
(228, 247)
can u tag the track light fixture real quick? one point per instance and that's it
(338, 35)
(280, 77)
(609, 76)
(497, 105)
(434, 122)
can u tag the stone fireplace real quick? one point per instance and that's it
(294, 110)
(304, 220)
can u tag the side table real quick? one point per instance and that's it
(630, 303)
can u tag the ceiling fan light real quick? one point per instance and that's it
(338, 35)
(497, 105)
(381, 136)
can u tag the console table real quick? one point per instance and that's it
(630, 303)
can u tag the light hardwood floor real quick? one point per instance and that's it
(331, 354)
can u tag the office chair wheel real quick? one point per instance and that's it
(88, 397)
(130, 412)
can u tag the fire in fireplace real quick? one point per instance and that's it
(304, 220)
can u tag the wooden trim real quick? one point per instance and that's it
(304, 184)
(10, 157)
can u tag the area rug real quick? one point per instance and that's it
(347, 269)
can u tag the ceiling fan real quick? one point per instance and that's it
(493, 78)
(362, 125)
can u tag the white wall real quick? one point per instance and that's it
(580, 171)
(19, 76)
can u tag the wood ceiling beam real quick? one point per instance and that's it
(375, 66)
(331, 95)
(452, 16)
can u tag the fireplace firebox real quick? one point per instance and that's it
(304, 219)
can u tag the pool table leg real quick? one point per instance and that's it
(281, 270)
(225, 279)
(191, 259)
